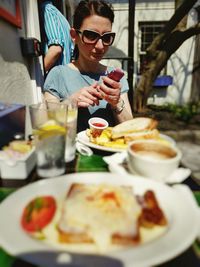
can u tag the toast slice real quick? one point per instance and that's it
(148, 134)
(135, 125)
(100, 214)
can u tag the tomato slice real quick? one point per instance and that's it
(38, 213)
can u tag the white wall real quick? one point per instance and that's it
(20, 80)
(152, 11)
(15, 85)
(181, 66)
(120, 26)
(18, 74)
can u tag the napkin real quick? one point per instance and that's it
(117, 163)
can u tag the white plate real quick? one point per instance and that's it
(180, 209)
(84, 139)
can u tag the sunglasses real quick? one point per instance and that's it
(92, 37)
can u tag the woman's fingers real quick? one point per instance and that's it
(110, 94)
(109, 83)
(88, 96)
(112, 88)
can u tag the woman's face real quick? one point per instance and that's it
(93, 52)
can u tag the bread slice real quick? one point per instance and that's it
(101, 215)
(134, 125)
(21, 146)
(148, 134)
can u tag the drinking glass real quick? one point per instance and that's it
(70, 147)
(49, 130)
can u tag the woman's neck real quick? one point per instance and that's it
(91, 67)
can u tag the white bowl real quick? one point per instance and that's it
(152, 159)
(18, 169)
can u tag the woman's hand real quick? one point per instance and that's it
(87, 96)
(110, 91)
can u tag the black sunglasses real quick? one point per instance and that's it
(92, 37)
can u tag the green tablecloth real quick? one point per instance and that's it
(84, 163)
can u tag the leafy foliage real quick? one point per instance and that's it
(184, 112)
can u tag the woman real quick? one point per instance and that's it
(84, 79)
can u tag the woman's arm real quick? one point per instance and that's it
(85, 97)
(50, 97)
(122, 111)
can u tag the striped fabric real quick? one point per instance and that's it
(57, 31)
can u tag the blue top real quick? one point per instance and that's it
(57, 30)
(63, 81)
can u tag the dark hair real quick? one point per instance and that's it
(87, 8)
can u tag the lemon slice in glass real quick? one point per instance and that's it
(50, 129)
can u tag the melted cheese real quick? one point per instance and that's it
(101, 211)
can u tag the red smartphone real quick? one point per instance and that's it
(116, 74)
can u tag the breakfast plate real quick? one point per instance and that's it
(84, 139)
(177, 203)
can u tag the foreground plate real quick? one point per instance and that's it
(84, 139)
(178, 205)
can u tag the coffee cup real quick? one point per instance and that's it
(153, 159)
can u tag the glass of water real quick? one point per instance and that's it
(70, 147)
(49, 130)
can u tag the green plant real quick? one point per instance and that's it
(184, 112)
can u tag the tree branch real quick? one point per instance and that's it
(194, 30)
(177, 38)
(180, 13)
